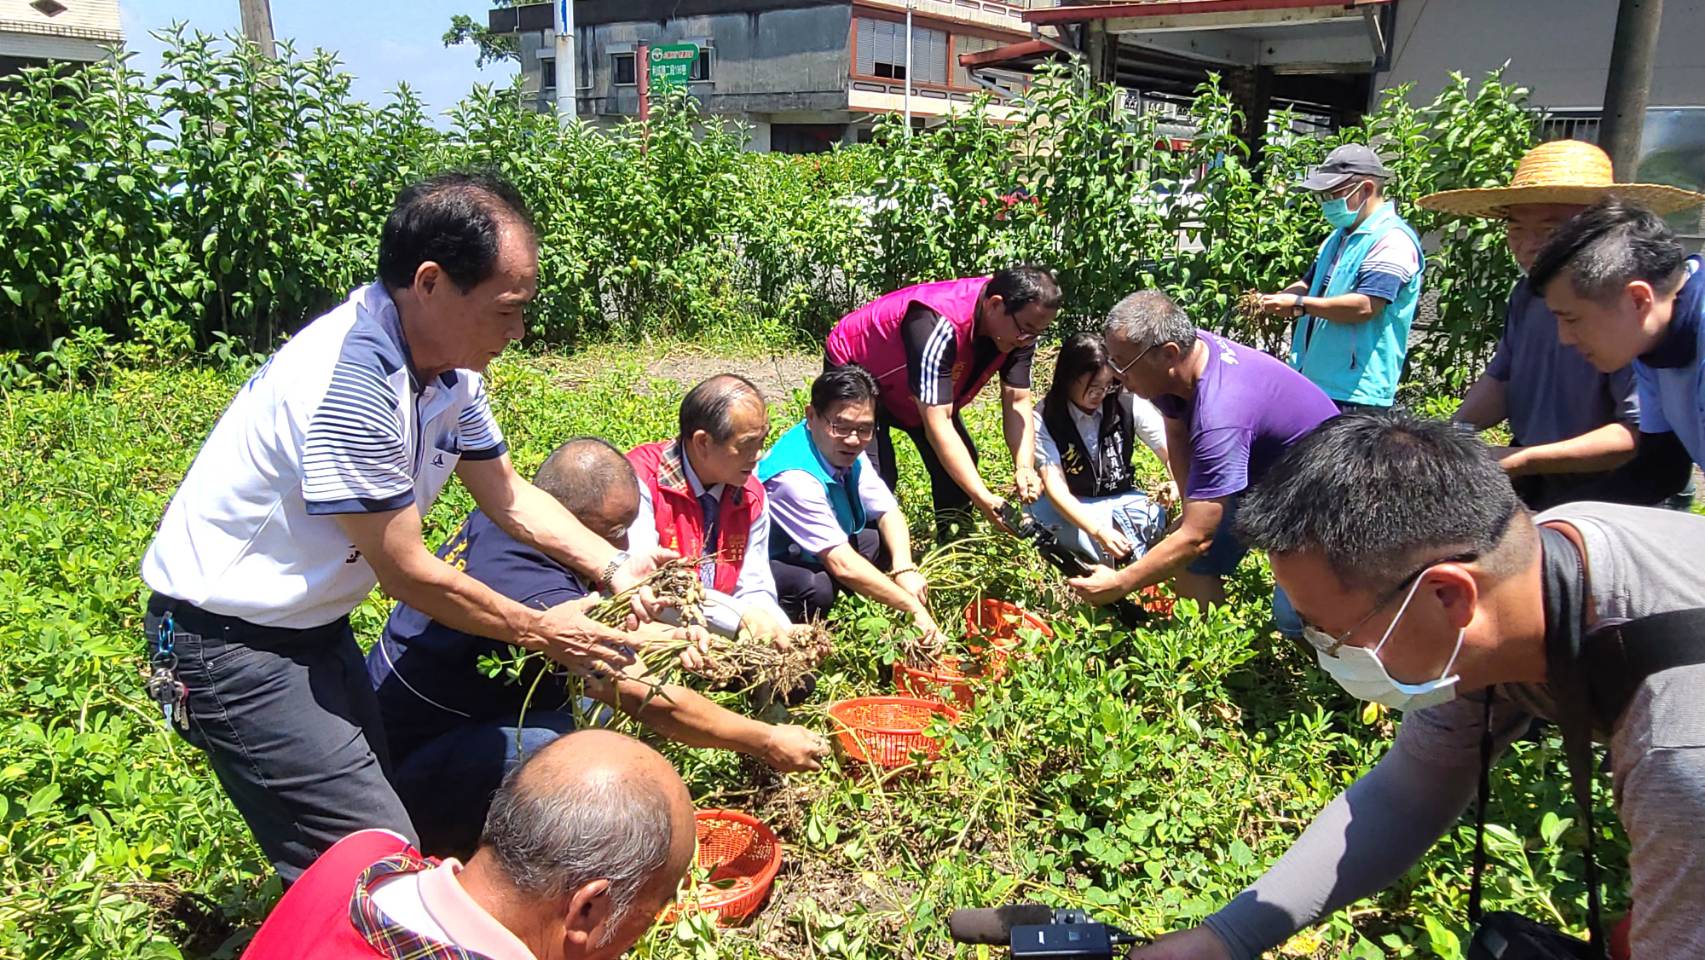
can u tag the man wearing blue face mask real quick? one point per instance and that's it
(1425, 585)
(1354, 307)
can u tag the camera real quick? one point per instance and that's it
(1025, 527)
(1036, 932)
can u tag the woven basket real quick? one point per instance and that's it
(888, 731)
(947, 680)
(996, 622)
(741, 856)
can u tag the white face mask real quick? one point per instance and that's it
(1359, 670)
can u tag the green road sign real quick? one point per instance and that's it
(672, 64)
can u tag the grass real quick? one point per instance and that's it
(1146, 776)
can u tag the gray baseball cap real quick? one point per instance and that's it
(1348, 161)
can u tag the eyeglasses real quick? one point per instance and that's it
(1329, 645)
(1343, 191)
(1100, 391)
(1025, 334)
(1121, 370)
(846, 431)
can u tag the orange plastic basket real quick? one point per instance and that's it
(1156, 602)
(741, 856)
(887, 731)
(999, 623)
(947, 680)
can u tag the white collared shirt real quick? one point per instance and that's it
(1149, 425)
(335, 422)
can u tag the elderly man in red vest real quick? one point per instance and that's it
(931, 348)
(699, 496)
(584, 845)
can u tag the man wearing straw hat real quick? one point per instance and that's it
(1575, 429)
(1354, 307)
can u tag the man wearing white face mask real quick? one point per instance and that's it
(1354, 307)
(1426, 586)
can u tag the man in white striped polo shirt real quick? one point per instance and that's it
(311, 489)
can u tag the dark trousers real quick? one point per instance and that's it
(807, 593)
(289, 724)
(448, 782)
(952, 503)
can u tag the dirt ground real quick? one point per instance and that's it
(777, 374)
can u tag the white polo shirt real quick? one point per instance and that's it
(335, 422)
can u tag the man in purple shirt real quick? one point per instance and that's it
(1230, 411)
(836, 522)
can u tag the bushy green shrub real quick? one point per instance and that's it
(1118, 208)
(232, 196)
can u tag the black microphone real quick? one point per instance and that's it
(993, 925)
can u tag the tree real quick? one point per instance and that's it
(493, 47)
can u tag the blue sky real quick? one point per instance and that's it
(380, 43)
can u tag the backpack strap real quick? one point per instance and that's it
(1619, 658)
(1568, 611)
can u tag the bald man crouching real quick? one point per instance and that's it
(454, 732)
(585, 844)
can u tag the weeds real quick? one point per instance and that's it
(1144, 775)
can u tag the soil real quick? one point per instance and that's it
(776, 375)
(200, 927)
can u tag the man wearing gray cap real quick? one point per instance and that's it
(1354, 307)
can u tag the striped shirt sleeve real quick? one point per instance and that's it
(931, 350)
(355, 458)
(1392, 262)
(481, 438)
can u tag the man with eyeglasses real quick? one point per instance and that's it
(1427, 587)
(1354, 307)
(836, 524)
(931, 348)
(1230, 412)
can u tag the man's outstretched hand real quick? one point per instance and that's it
(1102, 586)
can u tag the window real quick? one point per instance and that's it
(882, 51)
(963, 45)
(701, 66)
(621, 69)
(547, 74)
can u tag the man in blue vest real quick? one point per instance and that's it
(836, 522)
(1354, 307)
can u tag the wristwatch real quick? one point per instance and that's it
(1298, 305)
(621, 557)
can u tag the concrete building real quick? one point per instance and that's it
(804, 74)
(1560, 51)
(33, 32)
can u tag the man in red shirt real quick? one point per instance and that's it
(585, 844)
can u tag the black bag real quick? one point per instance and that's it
(1510, 936)
(1592, 674)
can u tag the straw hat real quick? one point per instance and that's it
(1562, 171)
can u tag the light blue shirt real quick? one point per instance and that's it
(1672, 397)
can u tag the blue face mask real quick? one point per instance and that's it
(1338, 213)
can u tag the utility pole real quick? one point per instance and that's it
(257, 25)
(641, 78)
(906, 98)
(567, 104)
(1629, 83)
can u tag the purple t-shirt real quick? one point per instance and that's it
(1248, 409)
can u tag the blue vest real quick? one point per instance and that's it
(1357, 362)
(795, 451)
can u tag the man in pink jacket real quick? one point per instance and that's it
(931, 348)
